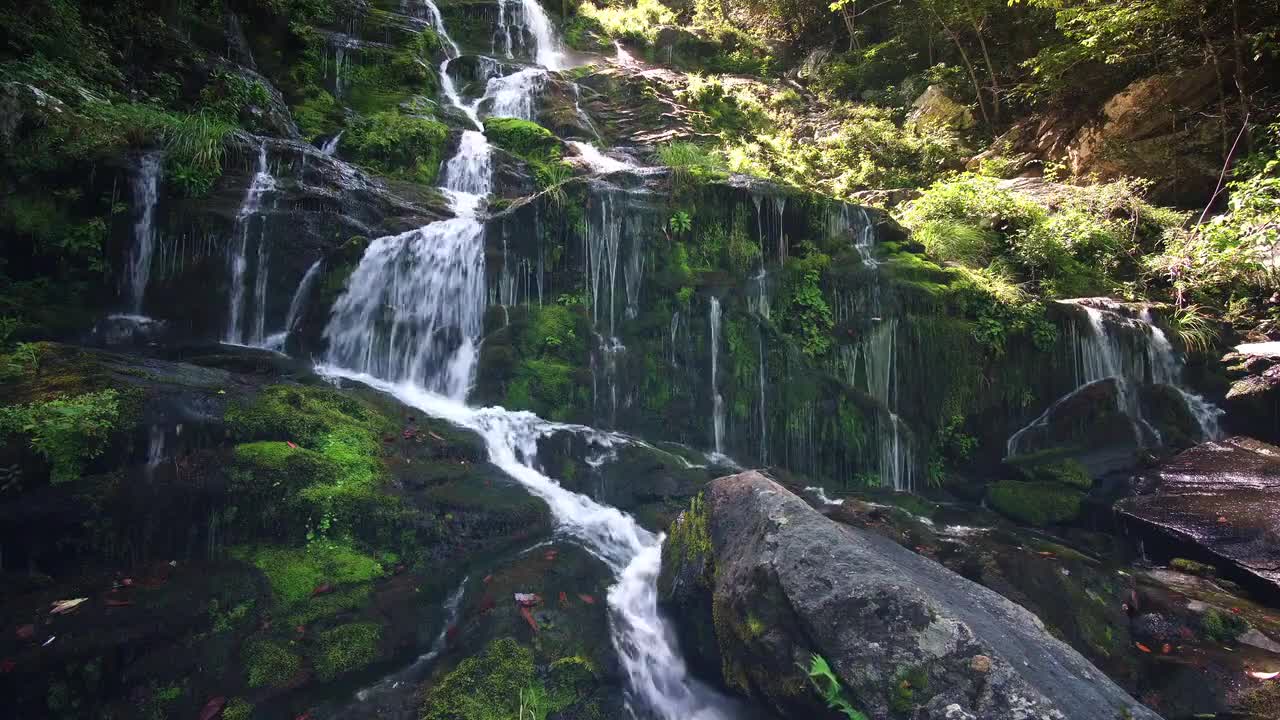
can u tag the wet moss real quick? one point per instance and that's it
(1035, 503)
(346, 648)
(483, 687)
(329, 605)
(523, 138)
(237, 709)
(1263, 703)
(270, 663)
(689, 537)
(295, 573)
(404, 146)
(1191, 567)
(1222, 627)
(910, 689)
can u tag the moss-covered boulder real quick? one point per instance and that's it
(1036, 503)
(393, 143)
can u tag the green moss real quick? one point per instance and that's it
(404, 146)
(270, 663)
(1035, 503)
(909, 689)
(294, 573)
(1191, 567)
(483, 687)
(329, 605)
(689, 536)
(346, 648)
(237, 709)
(1043, 467)
(523, 138)
(1222, 627)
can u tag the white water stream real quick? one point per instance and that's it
(146, 194)
(259, 186)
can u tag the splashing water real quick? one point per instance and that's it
(296, 306)
(330, 147)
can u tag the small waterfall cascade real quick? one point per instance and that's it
(261, 184)
(296, 306)
(1132, 351)
(874, 361)
(413, 310)
(330, 147)
(854, 224)
(603, 240)
(762, 370)
(717, 402)
(590, 156)
(146, 195)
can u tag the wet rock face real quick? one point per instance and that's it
(1220, 501)
(1253, 402)
(905, 636)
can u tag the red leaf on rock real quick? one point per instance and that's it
(291, 444)
(487, 603)
(26, 632)
(113, 602)
(1142, 647)
(324, 589)
(213, 708)
(1166, 649)
(528, 617)
(586, 599)
(564, 599)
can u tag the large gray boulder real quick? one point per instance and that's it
(906, 637)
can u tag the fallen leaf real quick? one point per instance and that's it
(213, 708)
(1264, 675)
(26, 632)
(528, 617)
(1166, 648)
(1142, 647)
(291, 444)
(586, 599)
(113, 602)
(436, 436)
(49, 641)
(487, 579)
(324, 589)
(1222, 519)
(564, 599)
(62, 607)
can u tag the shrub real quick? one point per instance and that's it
(66, 431)
(639, 21)
(524, 138)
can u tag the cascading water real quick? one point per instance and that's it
(413, 310)
(296, 305)
(330, 147)
(1102, 352)
(146, 194)
(717, 402)
(260, 185)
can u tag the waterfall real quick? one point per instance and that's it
(854, 224)
(875, 359)
(1100, 354)
(146, 194)
(717, 402)
(548, 50)
(299, 301)
(413, 310)
(330, 147)
(260, 293)
(514, 95)
(764, 422)
(603, 240)
(597, 161)
(260, 185)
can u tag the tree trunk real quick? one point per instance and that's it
(1237, 57)
(991, 70)
(968, 64)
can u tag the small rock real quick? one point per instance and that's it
(978, 664)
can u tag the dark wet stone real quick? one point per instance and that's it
(789, 583)
(1220, 501)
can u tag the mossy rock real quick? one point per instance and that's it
(1065, 471)
(1191, 567)
(346, 648)
(399, 145)
(524, 138)
(486, 686)
(1035, 503)
(270, 663)
(295, 573)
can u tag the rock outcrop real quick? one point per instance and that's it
(904, 636)
(1253, 402)
(1218, 502)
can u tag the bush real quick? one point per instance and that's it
(400, 145)
(639, 21)
(66, 431)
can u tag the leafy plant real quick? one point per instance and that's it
(680, 222)
(1195, 328)
(66, 431)
(825, 681)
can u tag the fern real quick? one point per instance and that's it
(827, 684)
